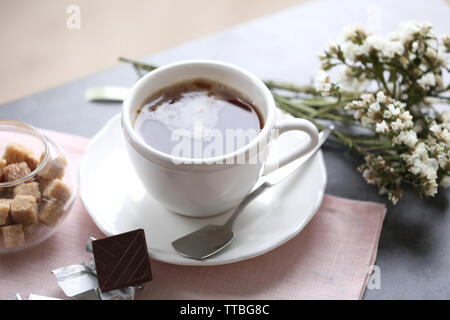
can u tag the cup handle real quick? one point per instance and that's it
(289, 125)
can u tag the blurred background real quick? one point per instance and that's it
(39, 51)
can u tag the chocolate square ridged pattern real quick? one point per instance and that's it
(122, 260)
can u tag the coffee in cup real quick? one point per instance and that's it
(198, 118)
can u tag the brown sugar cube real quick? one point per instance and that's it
(53, 169)
(28, 189)
(15, 153)
(2, 166)
(24, 210)
(13, 236)
(50, 213)
(43, 183)
(15, 171)
(5, 193)
(58, 191)
(5, 205)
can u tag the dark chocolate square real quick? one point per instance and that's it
(122, 260)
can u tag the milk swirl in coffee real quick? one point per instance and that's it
(198, 118)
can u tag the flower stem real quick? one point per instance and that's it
(139, 65)
(292, 87)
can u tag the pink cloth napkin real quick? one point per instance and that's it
(329, 259)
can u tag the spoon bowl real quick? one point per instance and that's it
(204, 242)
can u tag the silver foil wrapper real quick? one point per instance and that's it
(80, 282)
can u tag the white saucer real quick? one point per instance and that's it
(117, 202)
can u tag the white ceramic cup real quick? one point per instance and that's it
(205, 187)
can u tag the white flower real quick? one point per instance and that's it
(430, 188)
(408, 138)
(440, 131)
(442, 56)
(416, 165)
(367, 97)
(406, 116)
(405, 34)
(322, 83)
(445, 38)
(430, 53)
(368, 176)
(394, 111)
(397, 125)
(387, 114)
(392, 48)
(348, 50)
(445, 116)
(348, 80)
(408, 124)
(438, 151)
(382, 127)
(333, 46)
(352, 50)
(411, 28)
(442, 160)
(374, 107)
(362, 50)
(321, 56)
(424, 166)
(445, 182)
(351, 31)
(394, 199)
(381, 98)
(376, 41)
(445, 136)
(401, 104)
(427, 80)
(435, 128)
(421, 150)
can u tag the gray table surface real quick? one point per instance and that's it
(414, 250)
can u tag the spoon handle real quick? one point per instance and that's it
(252, 195)
(265, 185)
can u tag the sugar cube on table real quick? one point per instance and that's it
(16, 152)
(58, 191)
(53, 169)
(13, 236)
(15, 171)
(5, 205)
(50, 212)
(28, 189)
(24, 210)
